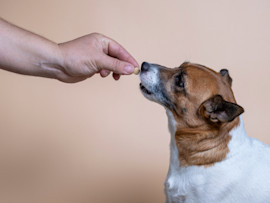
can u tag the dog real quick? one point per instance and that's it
(212, 160)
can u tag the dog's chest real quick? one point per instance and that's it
(185, 185)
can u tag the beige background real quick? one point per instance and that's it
(100, 141)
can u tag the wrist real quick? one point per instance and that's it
(52, 62)
(59, 60)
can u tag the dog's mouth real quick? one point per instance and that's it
(143, 89)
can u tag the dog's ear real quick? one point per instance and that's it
(216, 109)
(225, 74)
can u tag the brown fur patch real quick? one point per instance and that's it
(203, 146)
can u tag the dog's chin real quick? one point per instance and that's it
(151, 95)
(145, 90)
(156, 96)
(147, 93)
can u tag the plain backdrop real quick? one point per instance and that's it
(101, 141)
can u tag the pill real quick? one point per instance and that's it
(136, 70)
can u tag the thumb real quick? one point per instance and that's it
(115, 65)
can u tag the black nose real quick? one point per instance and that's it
(145, 66)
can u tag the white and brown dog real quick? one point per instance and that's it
(212, 158)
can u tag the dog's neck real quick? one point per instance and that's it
(194, 146)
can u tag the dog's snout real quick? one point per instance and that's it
(145, 66)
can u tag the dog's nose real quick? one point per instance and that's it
(145, 66)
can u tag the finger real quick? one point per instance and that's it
(104, 73)
(116, 76)
(117, 51)
(115, 65)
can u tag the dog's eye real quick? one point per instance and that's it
(179, 80)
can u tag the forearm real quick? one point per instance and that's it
(26, 53)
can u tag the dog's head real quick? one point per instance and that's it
(194, 93)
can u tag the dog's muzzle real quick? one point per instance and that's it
(149, 78)
(152, 86)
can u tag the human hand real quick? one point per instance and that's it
(91, 54)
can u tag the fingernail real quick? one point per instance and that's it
(129, 69)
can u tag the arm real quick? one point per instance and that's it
(26, 53)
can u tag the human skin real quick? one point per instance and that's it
(24, 52)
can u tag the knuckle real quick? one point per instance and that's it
(116, 65)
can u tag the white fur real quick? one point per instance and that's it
(150, 79)
(243, 177)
